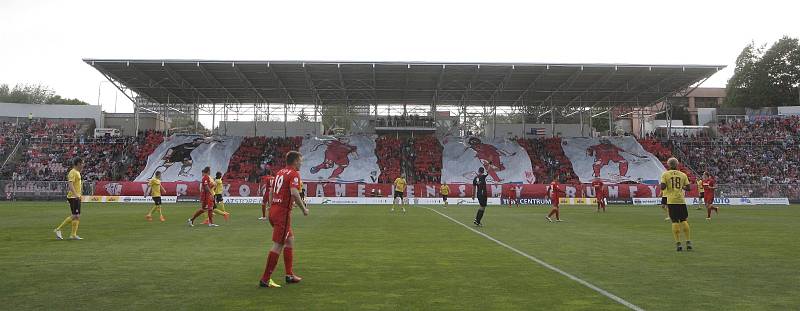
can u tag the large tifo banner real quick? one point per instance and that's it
(183, 157)
(504, 160)
(612, 159)
(343, 159)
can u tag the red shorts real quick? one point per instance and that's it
(708, 199)
(207, 203)
(555, 202)
(280, 219)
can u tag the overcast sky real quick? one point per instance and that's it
(44, 41)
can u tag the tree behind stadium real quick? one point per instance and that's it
(766, 77)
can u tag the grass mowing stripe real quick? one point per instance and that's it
(546, 265)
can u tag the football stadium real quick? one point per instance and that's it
(244, 184)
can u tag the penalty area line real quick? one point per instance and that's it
(546, 265)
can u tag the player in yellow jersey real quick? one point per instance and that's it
(219, 201)
(154, 188)
(700, 190)
(445, 191)
(399, 192)
(74, 194)
(673, 185)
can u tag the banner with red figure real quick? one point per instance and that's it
(339, 159)
(183, 157)
(503, 160)
(612, 159)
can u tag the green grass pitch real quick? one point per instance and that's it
(366, 258)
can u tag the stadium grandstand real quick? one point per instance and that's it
(408, 117)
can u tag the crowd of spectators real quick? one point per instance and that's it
(257, 155)
(135, 157)
(548, 160)
(763, 152)
(50, 161)
(747, 152)
(663, 151)
(390, 153)
(427, 159)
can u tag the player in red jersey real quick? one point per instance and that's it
(599, 194)
(709, 185)
(554, 192)
(266, 188)
(337, 154)
(206, 199)
(285, 193)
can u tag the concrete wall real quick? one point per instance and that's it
(270, 129)
(53, 111)
(523, 130)
(126, 122)
(789, 110)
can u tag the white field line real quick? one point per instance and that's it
(547, 265)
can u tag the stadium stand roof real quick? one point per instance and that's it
(414, 83)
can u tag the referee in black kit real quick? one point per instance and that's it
(480, 191)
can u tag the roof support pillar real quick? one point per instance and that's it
(136, 116)
(285, 118)
(213, 118)
(225, 118)
(552, 119)
(196, 118)
(610, 120)
(580, 119)
(494, 120)
(591, 129)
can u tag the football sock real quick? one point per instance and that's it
(708, 212)
(152, 210)
(686, 231)
(288, 256)
(676, 231)
(211, 216)
(197, 213)
(479, 216)
(63, 223)
(222, 206)
(219, 212)
(558, 214)
(159, 211)
(75, 224)
(264, 211)
(272, 261)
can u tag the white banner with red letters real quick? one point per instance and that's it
(339, 159)
(612, 159)
(315, 189)
(504, 160)
(183, 157)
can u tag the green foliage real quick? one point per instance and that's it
(336, 116)
(34, 94)
(600, 123)
(766, 77)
